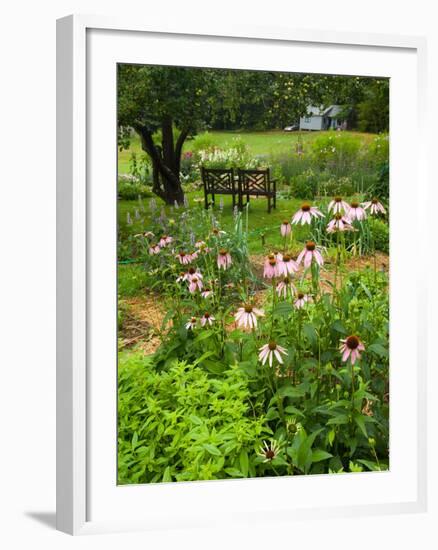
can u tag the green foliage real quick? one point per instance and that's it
(131, 190)
(182, 424)
(305, 185)
(336, 151)
(373, 111)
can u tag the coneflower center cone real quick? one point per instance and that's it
(310, 246)
(352, 342)
(305, 207)
(270, 454)
(272, 345)
(248, 308)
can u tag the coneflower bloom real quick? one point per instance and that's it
(271, 350)
(338, 205)
(309, 253)
(270, 268)
(191, 324)
(339, 223)
(350, 348)
(181, 277)
(207, 319)
(207, 292)
(192, 272)
(183, 257)
(246, 316)
(285, 228)
(301, 300)
(269, 451)
(286, 265)
(284, 286)
(375, 206)
(217, 232)
(356, 212)
(154, 249)
(306, 213)
(193, 255)
(223, 259)
(195, 284)
(165, 240)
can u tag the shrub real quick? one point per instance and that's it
(204, 141)
(237, 155)
(380, 234)
(131, 190)
(336, 151)
(336, 186)
(181, 424)
(305, 185)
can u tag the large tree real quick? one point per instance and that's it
(170, 102)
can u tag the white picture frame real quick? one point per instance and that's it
(81, 486)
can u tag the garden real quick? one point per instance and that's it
(255, 344)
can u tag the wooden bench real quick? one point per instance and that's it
(252, 183)
(257, 183)
(219, 182)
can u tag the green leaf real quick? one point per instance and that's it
(319, 454)
(166, 474)
(310, 333)
(244, 462)
(134, 440)
(290, 391)
(360, 421)
(378, 349)
(212, 449)
(339, 327)
(203, 357)
(283, 309)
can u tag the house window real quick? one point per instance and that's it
(307, 119)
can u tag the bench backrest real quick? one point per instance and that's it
(217, 180)
(254, 180)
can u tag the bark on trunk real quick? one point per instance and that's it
(166, 161)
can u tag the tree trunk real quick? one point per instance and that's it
(166, 161)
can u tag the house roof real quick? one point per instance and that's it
(330, 111)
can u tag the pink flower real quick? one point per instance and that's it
(154, 249)
(191, 273)
(181, 277)
(350, 348)
(301, 300)
(191, 324)
(309, 253)
(246, 316)
(165, 240)
(375, 206)
(207, 292)
(285, 228)
(339, 223)
(338, 205)
(195, 284)
(268, 351)
(356, 212)
(224, 259)
(271, 267)
(284, 286)
(306, 213)
(193, 255)
(286, 265)
(183, 258)
(207, 319)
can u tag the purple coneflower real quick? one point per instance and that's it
(356, 212)
(306, 213)
(338, 205)
(286, 265)
(284, 286)
(207, 292)
(246, 316)
(269, 451)
(195, 284)
(192, 272)
(181, 277)
(154, 249)
(191, 324)
(309, 253)
(285, 228)
(165, 240)
(223, 259)
(339, 223)
(183, 257)
(375, 206)
(217, 232)
(301, 300)
(207, 319)
(268, 351)
(350, 348)
(271, 268)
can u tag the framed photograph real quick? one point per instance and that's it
(240, 288)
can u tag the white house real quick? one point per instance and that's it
(319, 118)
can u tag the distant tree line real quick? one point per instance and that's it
(164, 105)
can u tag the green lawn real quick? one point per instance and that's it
(259, 143)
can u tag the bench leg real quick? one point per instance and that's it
(275, 201)
(269, 204)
